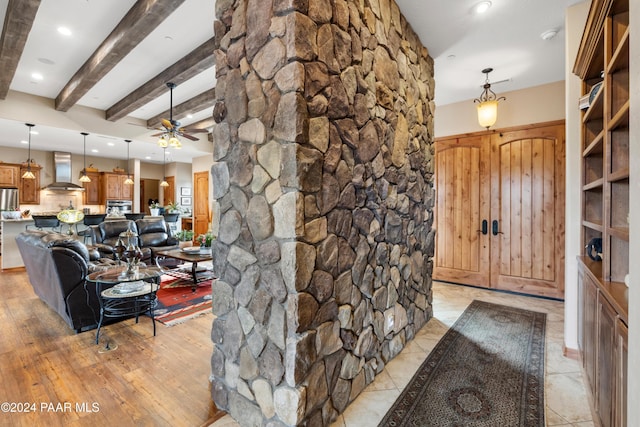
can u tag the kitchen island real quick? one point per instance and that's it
(10, 229)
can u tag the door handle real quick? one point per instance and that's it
(485, 227)
(494, 228)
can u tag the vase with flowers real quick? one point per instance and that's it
(204, 240)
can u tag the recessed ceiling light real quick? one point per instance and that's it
(189, 116)
(110, 144)
(94, 151)
(46, 61)
(24, 142)
(34, 132)
(451, 56)
(168, 38)
(64, 31)
(148, 157)
(481, 7)
(37, 76)
(549, 34)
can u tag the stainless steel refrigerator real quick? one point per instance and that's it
(9, 199)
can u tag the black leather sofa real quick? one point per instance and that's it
(152, 236)
(57, 267)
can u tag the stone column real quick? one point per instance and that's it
(323, 195)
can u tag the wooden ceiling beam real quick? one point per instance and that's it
(192, 64)
(202, 124)
(143, 17)
(18, 21)
(198, 103)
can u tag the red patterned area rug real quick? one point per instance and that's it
(487, 371)
(177, 303)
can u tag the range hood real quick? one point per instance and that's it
(62, 174)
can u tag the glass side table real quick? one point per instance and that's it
(122, 295)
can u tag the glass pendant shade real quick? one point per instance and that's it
(162, 142)
(28, 174)
(164, 182)
(175, 142)
(83, 175)
(487, 103)
(128, 181)
(487, 113)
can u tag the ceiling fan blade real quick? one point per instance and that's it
(186, 135)
(159, 134)
(193, 130)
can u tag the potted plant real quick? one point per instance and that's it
(154, 208)
(173, 207)
(204, 240)
(185, 235)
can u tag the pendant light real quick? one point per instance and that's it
(28, 174)
(128, 181)
(164, 182)
(83, 175)
(487, 103)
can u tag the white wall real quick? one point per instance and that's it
(539, 104)
(575, 19)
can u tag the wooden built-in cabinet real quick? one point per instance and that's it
(112, 187)
(11, 176)
(602, 341)
(30, 188)
(91, 195)
(603, 65)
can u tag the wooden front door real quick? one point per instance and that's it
(500, 210)
(462, 182)
(527, 201)
(201, 216)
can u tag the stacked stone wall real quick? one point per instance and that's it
(322, 183)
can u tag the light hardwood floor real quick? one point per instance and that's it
(145, 381)
(163, 380)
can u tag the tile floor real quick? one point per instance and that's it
(565, 396)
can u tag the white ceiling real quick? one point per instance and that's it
(506, 38)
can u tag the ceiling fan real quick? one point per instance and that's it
(172, 130)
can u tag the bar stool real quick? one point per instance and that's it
(171, 219)
(88, 221)
(134, 216)
(41, 222)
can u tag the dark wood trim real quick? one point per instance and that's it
(197, 103)
(18, 21)
(195, 62)
(137, 24)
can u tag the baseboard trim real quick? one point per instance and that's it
(571, 353)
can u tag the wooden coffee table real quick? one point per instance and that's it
(192, 257)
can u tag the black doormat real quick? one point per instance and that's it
(486, 371)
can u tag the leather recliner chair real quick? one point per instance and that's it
(57, 267)
(152, 235)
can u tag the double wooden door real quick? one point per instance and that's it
(500, 210)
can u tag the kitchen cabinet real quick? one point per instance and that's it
(9, 175)
(91, 194)
(30, 188)
(112, 187)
